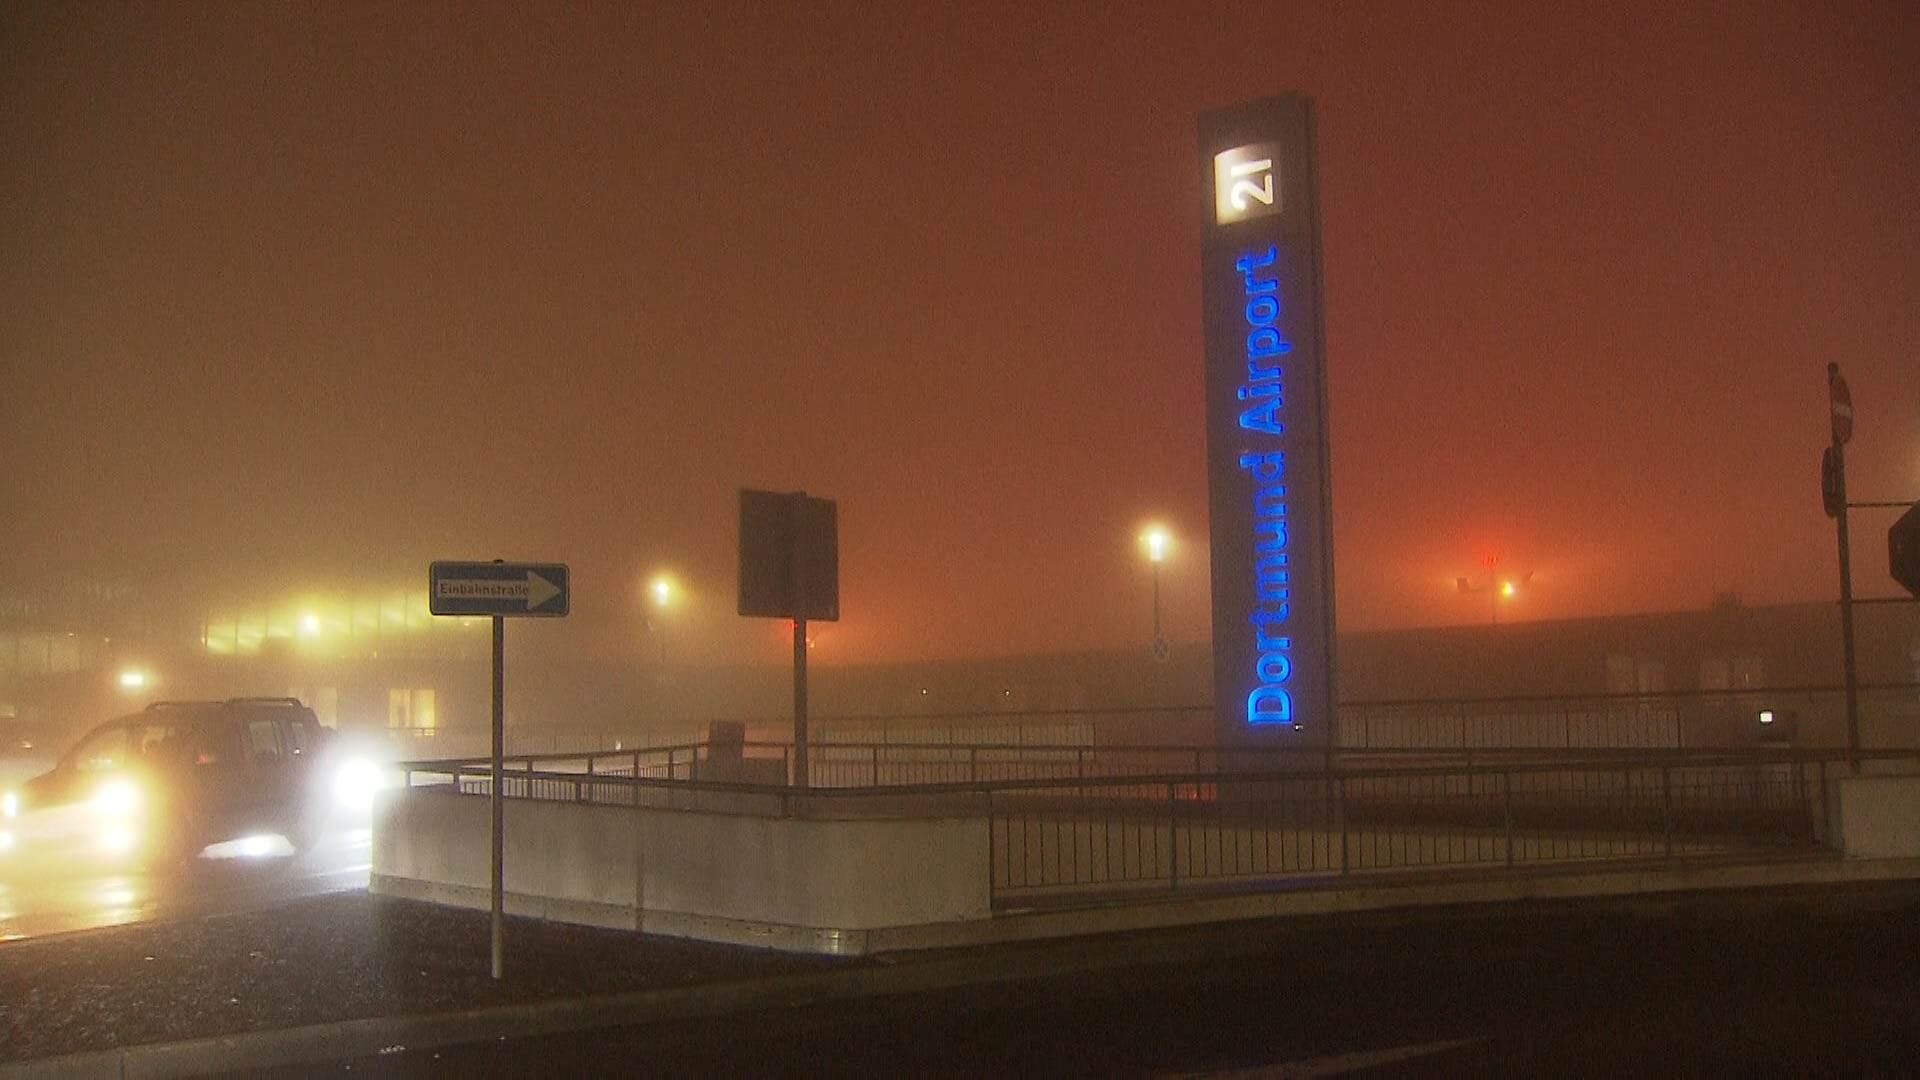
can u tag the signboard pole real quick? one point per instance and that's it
(1156, 601)
(800, 774)
(790, 569)
(1841, 405)
(498, 590)
(499, 846)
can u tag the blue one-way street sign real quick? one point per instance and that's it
(490, 588)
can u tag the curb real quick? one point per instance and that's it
(1147, 941)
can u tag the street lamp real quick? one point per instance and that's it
(1497, 588)
(1157, 541)
(663, 592)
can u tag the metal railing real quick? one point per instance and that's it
(896, 764)
(1065, 837)
(1810, 716)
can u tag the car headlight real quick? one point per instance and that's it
(355, 783)
(116, 799)
(255, 846)
(10, 805)
(117, 839)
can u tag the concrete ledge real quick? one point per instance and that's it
(1878, 817)
(1319, 898)
(808, 884)
(824, 940)
(477, 898)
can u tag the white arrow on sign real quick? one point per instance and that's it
(532, 590)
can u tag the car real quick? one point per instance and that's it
(244, 777)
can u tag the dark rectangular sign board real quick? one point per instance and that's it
(789, 556)
(1268, 473)
(1903, 550)
(490, 588)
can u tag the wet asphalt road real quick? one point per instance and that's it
(40, 895)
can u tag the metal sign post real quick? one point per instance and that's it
(498, 590)
(498, 880)
(1840, 405)
(800, 769)
(790, 569)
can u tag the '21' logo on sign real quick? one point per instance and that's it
(1244, 183)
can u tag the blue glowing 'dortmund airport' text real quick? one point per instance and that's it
(1262, 417)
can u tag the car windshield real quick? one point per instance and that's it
(103, 749)
(175, 739)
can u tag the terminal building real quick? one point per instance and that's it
(79, 652)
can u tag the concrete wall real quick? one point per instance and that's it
(1878, 817)
(807, 884)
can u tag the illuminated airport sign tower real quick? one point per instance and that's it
(1268, 481)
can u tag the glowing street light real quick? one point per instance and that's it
(133, 680)
(1497, 588)
(309, 625)
(1157, 542)
(662, 591)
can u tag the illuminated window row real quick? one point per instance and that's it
(325, 626)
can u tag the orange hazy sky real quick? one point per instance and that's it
(338, 289)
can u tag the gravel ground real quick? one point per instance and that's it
(340, 957)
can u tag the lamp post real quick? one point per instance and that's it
(1497, 588)
(661, 593)
(1157, 542)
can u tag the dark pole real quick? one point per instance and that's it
(1156, 602)
(800, 702)
(499, 749)
(1846, 590)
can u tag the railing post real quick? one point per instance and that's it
(973, 764)
(1173, 840)
(1080, 764)
(1506, 811)
(636, 764)
(1666, 807)
(589, 764)
(1340, 808)
(876, 765)
(1800, 798)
